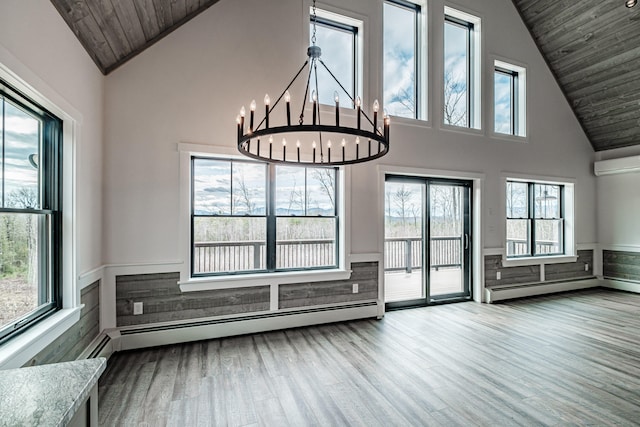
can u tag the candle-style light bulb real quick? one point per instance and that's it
(329, 151)
(267, 101)
(287, 100)
(284, 149)
(357, 147)
(298, 148)
(252, 107)
(336, 98)
(314, 151)
(387, 122)
(270, 146)
(314, 98)
(239, 122)
(358, 110)
(376, 107)
(343, 148)
(243, 112)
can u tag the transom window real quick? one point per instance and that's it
(401, 41)
(509, 99)
(535, 219)
(461, 97)
(30, 212)
(338, 41)
(255, 217)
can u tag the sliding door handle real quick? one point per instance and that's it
(466, 241)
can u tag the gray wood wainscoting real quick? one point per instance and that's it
(621, 265)
(163, 301)
(75, 340)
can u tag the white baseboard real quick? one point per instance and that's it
(151, 336)
(505, 293)
(621, 285)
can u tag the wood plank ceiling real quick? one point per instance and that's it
(591, 46)
(114, 31)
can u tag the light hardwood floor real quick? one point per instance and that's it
(566, 359)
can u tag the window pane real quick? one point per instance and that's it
(321, 189)
(517, 200)
(548, 236)
(399, 60)
(21, 143)
(338, 53)
(211, 187)
(249, 188)
(305, 242)
(290, 190)
(456, 78)
(518, 237)
(21, 254)
(503, 102)
(228, 244)
(547, 198)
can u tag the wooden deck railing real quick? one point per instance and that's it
(250, 255)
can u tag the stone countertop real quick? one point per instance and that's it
(47, 395)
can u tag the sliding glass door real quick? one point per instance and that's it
(427, 241)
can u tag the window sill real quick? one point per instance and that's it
(20, 349)
(195, 284)
(556, 259)
(462, 129)
(504, 137)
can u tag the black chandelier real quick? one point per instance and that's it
(312, 143)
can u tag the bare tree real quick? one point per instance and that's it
(326, 178)
(454, 97)
(243, 194)
(23, 198)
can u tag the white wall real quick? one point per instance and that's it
(619, 205)
(189, 87)
(38, 46)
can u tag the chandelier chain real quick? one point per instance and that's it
(315, 16)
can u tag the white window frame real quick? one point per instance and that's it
(475, 75)
(341, 17)
(422, 58)
(224, 281)
(570, 254)
(520, 108)
(18, 350)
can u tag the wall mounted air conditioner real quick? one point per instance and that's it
(614, 166)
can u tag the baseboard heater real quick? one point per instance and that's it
(197, 330)
(101, 346)
(520, 291)
(621, 284)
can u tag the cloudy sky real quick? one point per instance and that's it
(222, 187)
(21, 139)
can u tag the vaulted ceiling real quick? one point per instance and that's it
(114, 31)
(591, 46)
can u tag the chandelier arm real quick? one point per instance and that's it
(306, 90)
(283, 92)
(345, 91)
(316, 105)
